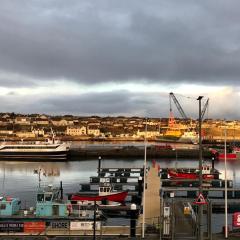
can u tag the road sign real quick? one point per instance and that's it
(200, 200)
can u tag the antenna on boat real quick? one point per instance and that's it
(39, 177)
(4, 176)
(38, 172)
(53, 136)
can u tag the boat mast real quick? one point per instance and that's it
(4, 176)
(39, 177)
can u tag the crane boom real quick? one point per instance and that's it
(184, 116)
(204, 108)
(171, 121)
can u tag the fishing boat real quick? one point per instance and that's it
(50, 204)
(229, 156)
(105, 194)
(220, 155)
(50, 150)
(208, 173)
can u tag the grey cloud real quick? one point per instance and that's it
(107, 103)
(107, 41)
(119, 103)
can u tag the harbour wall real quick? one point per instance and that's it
(134, 152)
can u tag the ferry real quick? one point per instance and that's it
(48, 151)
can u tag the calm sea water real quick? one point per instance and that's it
(18, 179)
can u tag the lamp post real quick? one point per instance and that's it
(200, 207)
(99, 164)
(133, 213)
(94, 221)
(225, 164)
(144, 180)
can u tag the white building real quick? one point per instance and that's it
(76, 131)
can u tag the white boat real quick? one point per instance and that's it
(48, 151)
(189, 137)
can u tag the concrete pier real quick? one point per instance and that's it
(128, 152)
(152, 202)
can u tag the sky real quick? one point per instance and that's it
(112, 58)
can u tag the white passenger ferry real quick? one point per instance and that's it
(48, 151)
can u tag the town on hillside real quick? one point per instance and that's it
(39, 126)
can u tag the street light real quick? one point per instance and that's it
(94, 221)
(225, 165)
(144, 180)
(200, 207)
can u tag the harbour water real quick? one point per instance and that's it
(20, 179)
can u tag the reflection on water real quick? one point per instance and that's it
(72, 173)
(18, 179)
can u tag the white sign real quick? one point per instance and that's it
(166, 212)
(83, 225)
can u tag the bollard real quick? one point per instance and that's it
(140, 186)
(133, 216)
(99, 164)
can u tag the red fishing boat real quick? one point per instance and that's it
(233, 155)
(229, 156)
(105, 194)
(207, 173)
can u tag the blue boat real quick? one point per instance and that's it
(9, 206)
(49, 205)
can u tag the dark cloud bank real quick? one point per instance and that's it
(91, 42)
(94, 41)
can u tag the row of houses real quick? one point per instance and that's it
(78, 131)
(94, 126)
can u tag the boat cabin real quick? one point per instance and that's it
(9, 206)
(49, 203)
(105, 190)
(206, 169)
(105, 187)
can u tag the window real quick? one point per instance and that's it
(40, 197)
(3, 206)
(48, 197)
